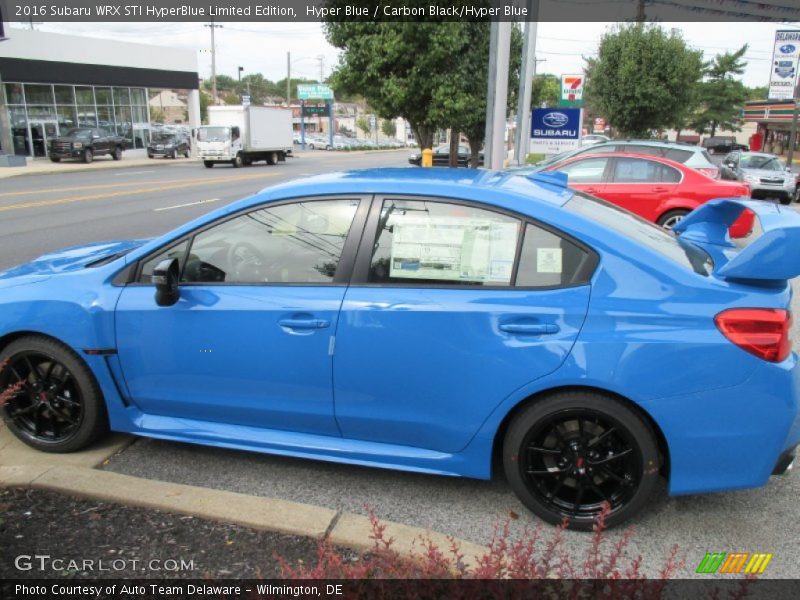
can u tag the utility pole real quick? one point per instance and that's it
(213, 61)
(640, 16)
(523, 136)
(288, 79)
(321, 60)
(497, 94)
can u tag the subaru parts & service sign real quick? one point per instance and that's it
(784, 66)
(555, 130)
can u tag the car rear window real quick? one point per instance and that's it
(644, 232)
(680, 156)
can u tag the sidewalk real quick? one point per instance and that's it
(130, 159)
(79, 474)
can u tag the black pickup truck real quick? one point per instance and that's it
(86, 143)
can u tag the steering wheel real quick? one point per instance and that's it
(246, 263)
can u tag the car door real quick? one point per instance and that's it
(249, 341)
(586, 174)
(443, 321)
(640, 185)
(101, 141)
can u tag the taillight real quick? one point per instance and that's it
(760, 331)
(712, 172)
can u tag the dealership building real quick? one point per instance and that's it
(52, 82)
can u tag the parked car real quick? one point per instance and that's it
(318, 142)
(657, 189)
(476, 315)
(722, 144)
(594, 138)
(169, 146)
(767, 176)
(691, 156)
(441, 156)
(86, 143)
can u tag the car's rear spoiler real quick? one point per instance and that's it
(772, 256)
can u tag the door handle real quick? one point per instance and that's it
(529, 328)
(659, 189)
(591, 190)
(304, 323)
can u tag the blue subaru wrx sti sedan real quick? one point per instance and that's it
(428, 320)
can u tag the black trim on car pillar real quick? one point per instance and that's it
(51, 71)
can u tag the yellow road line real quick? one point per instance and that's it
(125, 184)
(160, 188)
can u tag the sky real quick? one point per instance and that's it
(262, 47)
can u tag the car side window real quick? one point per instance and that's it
(642, 149)
(177, 251)
(589, 170)
(634, 170)
(549, 260)
(439, 243)
(680, 156)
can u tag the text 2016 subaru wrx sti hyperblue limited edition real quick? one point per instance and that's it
(429, 321)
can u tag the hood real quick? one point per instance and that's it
(72, 259)
(768, 174)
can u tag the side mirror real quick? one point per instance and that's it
(165, 278)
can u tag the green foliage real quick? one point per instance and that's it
(721, 95)
(205, 100)
(642, 78)
(757, 93)
(546, 90)
(156, 115)
(532, 159)
(389, 128)
(432, 74)
(363, 124)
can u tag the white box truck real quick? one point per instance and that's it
(242, 135)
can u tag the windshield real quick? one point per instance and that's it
(79, 133)
(644, 232)
(163, 138)
(768, 163)
(213, 134)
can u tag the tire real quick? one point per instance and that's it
(237, 162)
(174, 154)
(117, 154)
(149, 155)
(60, 382)
(786, 200)
(55, 158)
(328, 147)
(573, 484)
(272, 158)
(310, 146)
(208, 164)
(88, 155)
(670, 218)
(186, 153)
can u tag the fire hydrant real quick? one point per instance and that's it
(427, 158)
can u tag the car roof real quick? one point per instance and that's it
(658, 159)
(676, 145)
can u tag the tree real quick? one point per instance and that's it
(363, 124)
(389, 128)
(757, 93)
(642, 78)
(721, 95)
(205, 100)
(546, 90)
(156, 115)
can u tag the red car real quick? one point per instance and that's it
(657, 189)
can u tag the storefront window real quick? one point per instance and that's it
(87, 117)
(38, 94)
(41, 113)
(64, 94)
(105, 118)
(85, 95)
(122, 96)
(14, 93)
(124, 125)
(19, 130)
(138, 97)
(66, 118)
(103, 96)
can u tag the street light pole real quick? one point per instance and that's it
(288, 79)
(793, 129)
(523, 135)
(497, 93)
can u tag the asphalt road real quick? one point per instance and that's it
(46, 212)
(42, 213)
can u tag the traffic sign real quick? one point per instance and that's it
(245, 100)
(314, 91)
(313, 111)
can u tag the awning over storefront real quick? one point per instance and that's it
(770, 112)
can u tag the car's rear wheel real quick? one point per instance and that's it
(786, 199)
(58, 406)
(569, 455)
(55, 158)
(669, 219)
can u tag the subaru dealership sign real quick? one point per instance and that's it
(555, 130)
(784, 68)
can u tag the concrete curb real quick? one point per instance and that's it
(33, 168)
(76, 475)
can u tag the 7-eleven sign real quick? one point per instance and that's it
(572, 87)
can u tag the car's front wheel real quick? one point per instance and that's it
(58, 406)
(88, 155)
(117, 154)
(569, 455)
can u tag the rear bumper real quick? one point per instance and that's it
(734, 437)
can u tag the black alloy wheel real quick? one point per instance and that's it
(574, 455)
(57, 406)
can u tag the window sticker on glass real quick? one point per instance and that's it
(549, 260)
(454, 249)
